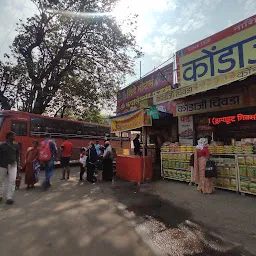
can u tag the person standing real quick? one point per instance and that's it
(65, 151)
(210, 141)
(82, 163)
(9, 162)
(91, 162)
(47, 153)
(98, 148)
(202, 154)
(136, 143)
(107, 174)
(32, 156)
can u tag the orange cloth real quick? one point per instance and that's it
(67, 147)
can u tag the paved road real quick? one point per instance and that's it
(70, 219)
(161, 218)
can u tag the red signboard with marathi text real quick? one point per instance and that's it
(140, 94)
(231, 119)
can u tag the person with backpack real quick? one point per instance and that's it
(47, 153)
(9, 164)
(107, 174)
(92, 158)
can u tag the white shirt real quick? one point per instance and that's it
(107, 151)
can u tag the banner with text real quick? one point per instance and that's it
(210, 104)
(186, 130)
(225, 57)
(140, 94)
(131, 121)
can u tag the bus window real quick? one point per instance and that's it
(102, 131)
(1, 121)
(89, 130)
(79, 129)
(20, 128)
(37, 125)
(53, 127)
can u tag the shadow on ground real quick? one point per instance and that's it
(170, 229)
(69, 219)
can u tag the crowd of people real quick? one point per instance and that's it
(42, 157)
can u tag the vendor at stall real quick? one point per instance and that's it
(210, 141)
(136, 143)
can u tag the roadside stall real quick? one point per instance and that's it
(230, 119)
(131, 167)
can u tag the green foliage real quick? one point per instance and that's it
(66, 59)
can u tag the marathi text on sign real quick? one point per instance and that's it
(220, 59)
(231, 119)
(140, 94)
(205, 85)
(130, 122)
(209, 104)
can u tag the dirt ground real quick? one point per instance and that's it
(69, 219)
(177, 220)
(159, 218)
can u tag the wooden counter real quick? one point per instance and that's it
(131, 167)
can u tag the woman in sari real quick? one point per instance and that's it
(205, 185)
(31, 167)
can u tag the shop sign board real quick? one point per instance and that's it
(140, 94)
(186, 127)
(231, 119)
(131, 121)
(225, 57)
(210, 104)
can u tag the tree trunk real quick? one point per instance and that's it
(63, 111)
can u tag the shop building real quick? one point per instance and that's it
(216, 96)
(209, 90)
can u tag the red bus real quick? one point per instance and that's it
(30, 127)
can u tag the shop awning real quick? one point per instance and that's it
(130, 121)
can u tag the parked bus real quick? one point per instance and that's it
(30, 127)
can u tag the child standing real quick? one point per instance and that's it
(82, 163)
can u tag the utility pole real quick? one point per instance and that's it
(140, 69)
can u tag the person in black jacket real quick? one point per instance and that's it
(136, 143)
(92, 158)
(9, 162)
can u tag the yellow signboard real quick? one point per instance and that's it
(225, 57)
(204, 85)
(228, 55)
(131, 122)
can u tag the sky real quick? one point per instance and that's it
(164, 26)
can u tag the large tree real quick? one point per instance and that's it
(72, 56)
(6, 86)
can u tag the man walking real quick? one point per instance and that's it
(47, 153)
(9, 162)
(65, 151)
